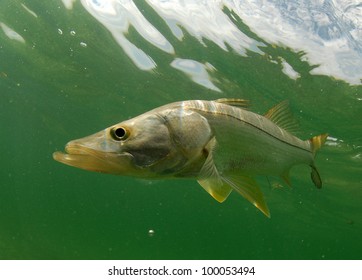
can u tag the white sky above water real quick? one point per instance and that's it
(329, 32)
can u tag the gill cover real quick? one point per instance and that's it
(189, 134)
(146, 138)
(127, 148)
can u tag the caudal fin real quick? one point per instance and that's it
(316, 143)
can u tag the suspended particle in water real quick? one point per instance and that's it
(82, 44)
(151, 233)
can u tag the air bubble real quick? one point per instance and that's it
(151, 233)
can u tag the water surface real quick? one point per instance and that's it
(71, 68)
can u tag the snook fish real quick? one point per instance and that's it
(219, 143)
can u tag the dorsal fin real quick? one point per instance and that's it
(234, 102)
(283, 117)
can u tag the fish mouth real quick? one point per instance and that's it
(80, 156)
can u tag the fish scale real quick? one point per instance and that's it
(219, 143)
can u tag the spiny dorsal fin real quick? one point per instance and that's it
(249, 189)
(234, 102)
(209, 177)
(282, 116)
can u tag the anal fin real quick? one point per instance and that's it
(220, 186)
(249, 189)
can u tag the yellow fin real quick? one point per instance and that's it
(248, 188)
(234, 102)
(317, 142)
(220, 187)
(282, 116)
(216, 188)
(209, 177)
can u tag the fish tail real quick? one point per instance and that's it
(316, 143)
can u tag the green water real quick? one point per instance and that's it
(54, 89)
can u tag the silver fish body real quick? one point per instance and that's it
(219, 143)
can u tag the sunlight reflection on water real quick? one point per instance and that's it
(329, 38)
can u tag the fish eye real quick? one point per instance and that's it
(119, 133)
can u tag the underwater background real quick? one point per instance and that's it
(71, 68)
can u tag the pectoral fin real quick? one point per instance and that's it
(210, 179)
(285, 176)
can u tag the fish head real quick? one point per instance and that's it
(166, 143)
(140, 147)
